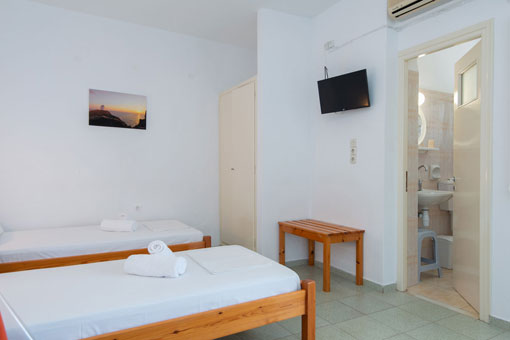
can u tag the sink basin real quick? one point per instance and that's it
(426, 198)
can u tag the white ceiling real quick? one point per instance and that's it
(229, 21)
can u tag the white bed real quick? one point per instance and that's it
(85, 300)
(47, 243)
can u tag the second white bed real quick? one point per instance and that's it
(26, 245)
(75, 302)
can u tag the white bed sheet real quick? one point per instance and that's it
(46, 243)
(74, 302)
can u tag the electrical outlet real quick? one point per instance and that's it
(354, 151)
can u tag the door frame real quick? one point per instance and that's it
(483, 31)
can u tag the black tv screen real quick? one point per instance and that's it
(346, 92)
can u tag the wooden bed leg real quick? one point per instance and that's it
(207, 241)
(308, 319)
(359, 261)
(282, 247)
(311, 252)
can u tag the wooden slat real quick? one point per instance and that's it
(298, 225)
(91, 258)
(318, 228)
(336, 229)
(337, 226)
(320, 225)
(228, 320)
(303, 233)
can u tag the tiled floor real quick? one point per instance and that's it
(441, 289)
(350, 312)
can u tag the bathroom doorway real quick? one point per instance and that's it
(446, 145)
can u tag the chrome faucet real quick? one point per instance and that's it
(420, 182)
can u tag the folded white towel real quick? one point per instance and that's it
(155, 265)
(159, 247)
(118, 225)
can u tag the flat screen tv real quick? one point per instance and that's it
(346, 92)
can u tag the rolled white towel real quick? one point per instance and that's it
(156, 266)
(118, 225)
(159, 247)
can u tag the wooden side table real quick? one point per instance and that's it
(327, 233)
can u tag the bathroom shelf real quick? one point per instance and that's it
(425, 149)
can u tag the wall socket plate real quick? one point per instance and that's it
(354, 151)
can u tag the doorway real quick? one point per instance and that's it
(446, 168)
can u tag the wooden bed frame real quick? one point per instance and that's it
(90, 258)
(229, 320)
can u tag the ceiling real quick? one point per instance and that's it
(228, 21)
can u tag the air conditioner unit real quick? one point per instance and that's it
(403, 9)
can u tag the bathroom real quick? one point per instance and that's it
(442, 148)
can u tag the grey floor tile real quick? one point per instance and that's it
(470, 327)
(294, 325)
(435, 332)
(332, 333)
(366, 328)
(401, 337)
(365, 303)
(231, 337)
(290, 337)
(394, 298)
(427, 310)
(504, 336)
(338, 291)
(335, 311)
(347, 283)
(399, 319)
(269, 332)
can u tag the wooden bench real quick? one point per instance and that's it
(327, 233)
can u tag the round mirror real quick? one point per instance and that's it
(422, 126)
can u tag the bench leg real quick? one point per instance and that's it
(326, 269)
(311, 252)
(282, 247)
(359, 261)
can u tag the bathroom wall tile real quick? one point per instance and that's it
(438, 110)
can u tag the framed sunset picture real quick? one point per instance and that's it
(115, 109)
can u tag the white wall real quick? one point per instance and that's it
(471, 13)
(56, 170)
(285, 92)
(436, 69)
(360, 195)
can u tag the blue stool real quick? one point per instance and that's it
(431, 264)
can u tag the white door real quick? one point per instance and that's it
(237, 166)
(466, 169)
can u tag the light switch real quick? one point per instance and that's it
(354, 151)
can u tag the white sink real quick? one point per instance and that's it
(426, 198)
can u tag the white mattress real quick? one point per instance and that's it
(69, 241)
(80, 301)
